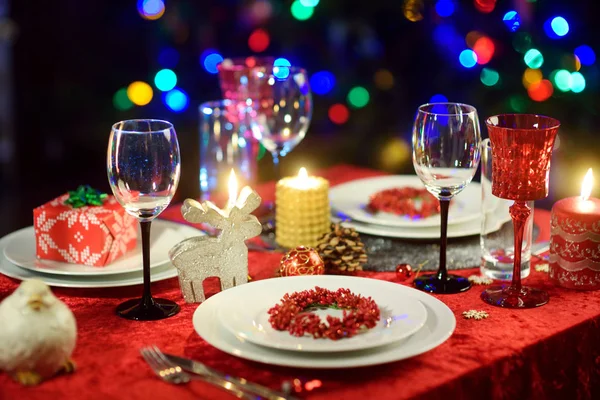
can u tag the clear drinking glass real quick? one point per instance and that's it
(143, 171)
(497, 232)
(446, 151)
(284, 112)
(226, 143)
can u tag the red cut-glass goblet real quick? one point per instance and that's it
(522, 146)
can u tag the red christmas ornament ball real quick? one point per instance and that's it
(301, 261)
(403, 271)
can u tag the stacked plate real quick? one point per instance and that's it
(18, 260)
(349, 200)
(236, 321)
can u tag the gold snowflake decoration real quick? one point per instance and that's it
(474, 314)
(480, 280)
(542, 267)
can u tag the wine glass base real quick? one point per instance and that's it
(432, 284)
(508, 297)
(138, 310)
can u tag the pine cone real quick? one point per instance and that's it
(341, 249)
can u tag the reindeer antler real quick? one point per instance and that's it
(248, 200)
(206, 212)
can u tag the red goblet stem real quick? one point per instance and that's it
(519, 213)
(442, 273)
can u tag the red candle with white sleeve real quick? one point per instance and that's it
(575, 240)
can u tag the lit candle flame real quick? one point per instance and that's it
(586, 186)
(303, 174)
(233, 189)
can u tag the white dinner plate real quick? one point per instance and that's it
(7, 268)
(245, 314)
(163, 236)
(468, 228)
(437, 329)
(351, 198)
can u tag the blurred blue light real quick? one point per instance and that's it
(309, 3)
(585, 54)
(560, 26)
(176, 100)
(322, 82)
(556, 27)
(210, 59)
(438, 98)
(150, 8)
(444, 8)
(168, 57)
(447, 38)
(242, 142)
(281, 62)
(512, 20)
(207, 110)
(165, 80)
(468, 58)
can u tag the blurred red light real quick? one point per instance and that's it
(484, 48)
(338, 114)
(259, 40)
(540, 91)
(485, 6)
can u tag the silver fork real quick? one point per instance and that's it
(172, 373)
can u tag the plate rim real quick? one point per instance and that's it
(399, 224)
(265, 343)
(221, 338)
(101, 270)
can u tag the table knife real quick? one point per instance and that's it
(198, 368)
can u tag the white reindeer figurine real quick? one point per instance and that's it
(224, 256)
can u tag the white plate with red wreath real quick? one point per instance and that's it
(402, 201)
(209, 324)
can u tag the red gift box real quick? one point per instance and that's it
(89, 235)
(575, 244)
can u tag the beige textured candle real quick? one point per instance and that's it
(302, 210)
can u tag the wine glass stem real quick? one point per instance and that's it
(519, 213)
(276, 166)
(147, 295)
(442, 273)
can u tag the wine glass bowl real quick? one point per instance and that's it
(522, 145)
(284, 113)
(143, 167)
(446, 152)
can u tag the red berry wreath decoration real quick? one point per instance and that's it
(291, 313)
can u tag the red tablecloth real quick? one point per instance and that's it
(548, 352)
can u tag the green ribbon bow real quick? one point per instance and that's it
(85, 195)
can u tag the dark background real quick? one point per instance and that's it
(61, 62)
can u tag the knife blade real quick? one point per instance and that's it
(198, 368)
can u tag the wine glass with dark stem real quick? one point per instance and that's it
(143, 171)
(522, 145)
(446, 140)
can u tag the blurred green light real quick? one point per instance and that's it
(489, 77)
(165, 80)
(121, 100)
(562, 80)
(518, 103)
(300, 12)
(522, 42)
(261, 152)
(358, 97)
(533, 58)
(577, 82)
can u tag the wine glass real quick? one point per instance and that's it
(143, 171)
(522, 146)
(284, 110)
(446, 140)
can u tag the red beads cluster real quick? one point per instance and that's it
(291, 313)
(403, 201)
